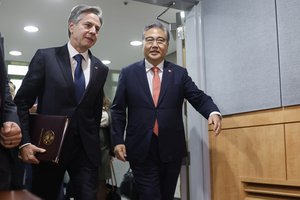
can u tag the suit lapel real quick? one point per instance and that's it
(166, 79)
(143, 80)
(93, 69)
(63, 59)
(95, 72)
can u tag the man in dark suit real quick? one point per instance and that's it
(10, 134)
(51, 79)
(155, 154)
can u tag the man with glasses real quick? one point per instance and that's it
(148, 102)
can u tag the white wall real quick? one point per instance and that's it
(199, 177)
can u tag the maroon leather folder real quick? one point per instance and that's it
(48, 132)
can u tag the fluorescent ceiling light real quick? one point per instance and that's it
(15, 53)
(136, 43)
(17, 70)
(31, 29)
(106, 62)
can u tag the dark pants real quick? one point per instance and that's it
(5, 168)
(155, 180)
(47, 177)
(18, 170)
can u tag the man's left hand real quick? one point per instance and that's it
(216, 120)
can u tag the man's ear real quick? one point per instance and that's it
(71, 27)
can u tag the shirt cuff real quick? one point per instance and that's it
(215, 113)
(24, 145)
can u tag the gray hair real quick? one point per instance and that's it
(157, 25)
(79, 9)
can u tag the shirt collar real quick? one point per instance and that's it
(148, 65)
(73, 52)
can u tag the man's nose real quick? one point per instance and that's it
(93, 30)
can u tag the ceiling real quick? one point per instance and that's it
(123, 22)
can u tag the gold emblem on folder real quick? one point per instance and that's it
(48, 137)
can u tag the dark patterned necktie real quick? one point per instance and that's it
(79, 81)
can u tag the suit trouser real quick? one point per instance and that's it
(5, 169)
(18, 170)
(47, 177)
(155, 180)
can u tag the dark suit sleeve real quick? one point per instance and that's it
(8, 108)
(197, 98)
(28, 92)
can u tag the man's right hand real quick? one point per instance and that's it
(28, 152)
(10, 135)
(120, 152)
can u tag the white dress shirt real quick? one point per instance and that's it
(86, 63)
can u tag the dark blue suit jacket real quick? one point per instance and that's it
(8, 110)
(50, 80)
(133, 93)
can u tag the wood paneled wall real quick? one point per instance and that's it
(260, 148)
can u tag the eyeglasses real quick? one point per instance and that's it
(159, 40)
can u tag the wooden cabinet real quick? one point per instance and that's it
(258, 149)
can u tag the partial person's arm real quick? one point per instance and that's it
(10, 135)
(10, 130)
(203, 103)
(31, 87)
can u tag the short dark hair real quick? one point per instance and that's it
(156, 25)
(82, 8)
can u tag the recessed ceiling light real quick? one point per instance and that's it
(15, 53)
(136, 43)
(31, 29)
(106, 62)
